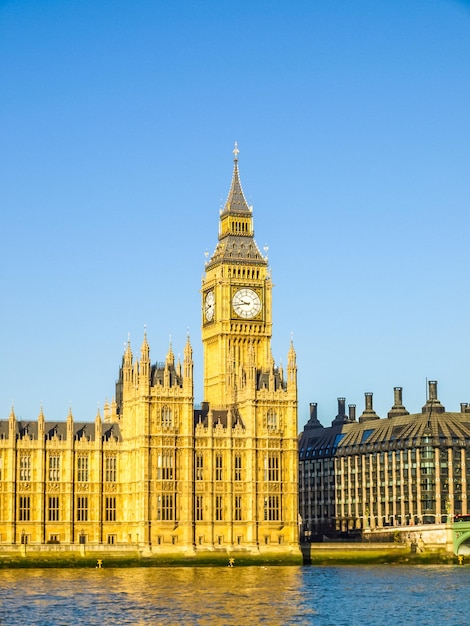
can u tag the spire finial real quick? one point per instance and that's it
(236, 151)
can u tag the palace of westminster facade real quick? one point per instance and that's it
(159, 472)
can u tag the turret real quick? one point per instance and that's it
(12, 425)
(291, 368)
(98, 428)
(169, 365)
(70, 426)
(41, 423)
(127, 373)
(188, 366)
(144, 365)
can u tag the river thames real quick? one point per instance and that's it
(321, 596)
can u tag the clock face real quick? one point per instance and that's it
(246, 303)
(209, 306)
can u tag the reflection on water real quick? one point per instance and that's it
(322, 596)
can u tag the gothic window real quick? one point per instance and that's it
(82, 508)
(271, 420)
(199, 466)
(1, 468)
(238, 508)
(25, 467)
(54, 468)
(271, 508)
(199, 508)
(218, 467)
(53, 512)
(271, 467)
(110, 469)
(82, 469)
(165, 465)
(219, 508)
(165, 507)
(25, 509)
(167, 417)
(110, 512)
(238, 467)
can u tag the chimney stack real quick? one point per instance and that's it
(368, 413)
(313, 420)
(397, 408)
(432, 404)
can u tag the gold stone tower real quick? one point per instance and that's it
(251, 431)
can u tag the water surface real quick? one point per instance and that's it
(376, 595)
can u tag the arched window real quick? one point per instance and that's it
(271, 420)
(167, 417)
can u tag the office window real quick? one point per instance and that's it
(82, 509)
(110, 512)
(25, 509)
(54, 468)
(53, 509)
(25, 467)
(82, 469)
(110, 469)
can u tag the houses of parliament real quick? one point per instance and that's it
(157, 470)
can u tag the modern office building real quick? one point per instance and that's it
(156, 470)
(399, 470)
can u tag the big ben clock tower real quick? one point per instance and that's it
(248, 441)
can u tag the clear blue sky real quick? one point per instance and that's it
(117, 127)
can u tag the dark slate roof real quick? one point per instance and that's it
(59, 429)
(386, 434)
(263, 380)
(201, 416)
(237, 248)
(236, 201)
(157, 375)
